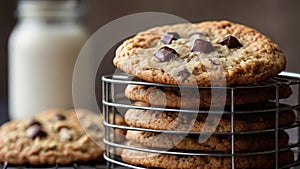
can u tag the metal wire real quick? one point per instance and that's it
(174, 152)
(111, 102)
(126, 105)
(296, 124)
(283, 79)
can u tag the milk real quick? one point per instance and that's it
(42, 55)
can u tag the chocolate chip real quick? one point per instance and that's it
(169, 36)
(36, 131)
(184, 74)
(34, 122)
(60, 117)
(230, 42)
(165, 54)
(202, 46)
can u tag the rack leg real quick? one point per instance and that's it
(232, 129)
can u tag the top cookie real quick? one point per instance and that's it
(206, 54)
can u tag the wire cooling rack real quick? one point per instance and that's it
(113, 102)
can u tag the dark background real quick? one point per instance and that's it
(278, 19)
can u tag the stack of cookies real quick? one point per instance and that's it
(208, 55)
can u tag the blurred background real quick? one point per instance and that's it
(278, 19)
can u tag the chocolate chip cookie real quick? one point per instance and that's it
(54, 136)
(207, 54)
(158, 120)
(171, 96)
(216, 143)
(263, 161)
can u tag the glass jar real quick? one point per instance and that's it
(43, 48)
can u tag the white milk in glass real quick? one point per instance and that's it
(43, 49)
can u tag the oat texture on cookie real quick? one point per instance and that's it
(231, 52)
(52, 137)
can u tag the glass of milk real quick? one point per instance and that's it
(43, 48)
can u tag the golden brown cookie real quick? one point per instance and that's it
(220, 143)
(183, 122)
(54, 136)
(263, 161)
(171, 96)
(206, 53)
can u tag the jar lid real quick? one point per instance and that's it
(49, 8)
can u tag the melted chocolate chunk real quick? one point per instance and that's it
(60, 117)
(36, 131)
(230, 42)
(202, 46)
(169, 36)
(33, 122)
(165, 54)
(184, 74)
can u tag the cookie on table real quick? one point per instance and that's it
(207, 53)
(216, 143)
(159, 120)
(172, 96)
(51, 137)
(263, 161)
